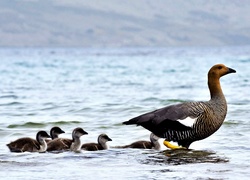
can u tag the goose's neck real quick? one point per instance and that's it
(102, 143)
(43, 144)
(53, 135)
(215, 88)
(76, 143)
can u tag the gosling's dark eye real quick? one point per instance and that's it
(220, 67)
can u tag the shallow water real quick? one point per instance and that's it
(98, 89)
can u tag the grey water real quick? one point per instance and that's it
(98, 89)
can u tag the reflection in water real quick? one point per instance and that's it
(180, 156)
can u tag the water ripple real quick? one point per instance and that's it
(27, 125)
(39, 125)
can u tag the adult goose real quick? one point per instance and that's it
(54, 133)
(187, 122)
(152, 144)
(73, 144)
(30, 145)
(101, 145)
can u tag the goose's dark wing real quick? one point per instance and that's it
(173, 117)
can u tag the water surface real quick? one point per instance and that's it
(98, 89)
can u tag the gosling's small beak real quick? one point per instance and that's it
(84, 132)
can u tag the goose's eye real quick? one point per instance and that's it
(220, 67)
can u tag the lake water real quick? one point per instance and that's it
(98, 89)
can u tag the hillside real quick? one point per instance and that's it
(115, 23)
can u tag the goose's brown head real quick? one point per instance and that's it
(219, 70)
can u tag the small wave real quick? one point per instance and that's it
(8, 96)
(244, 60)
(28, 125)
(86, 109)
(49, 108)
(16, 163)
(163, 101)
(151, 99)
(41, 125)
(64, 122)
(173, 101)
(231, 123)
(11, 104)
